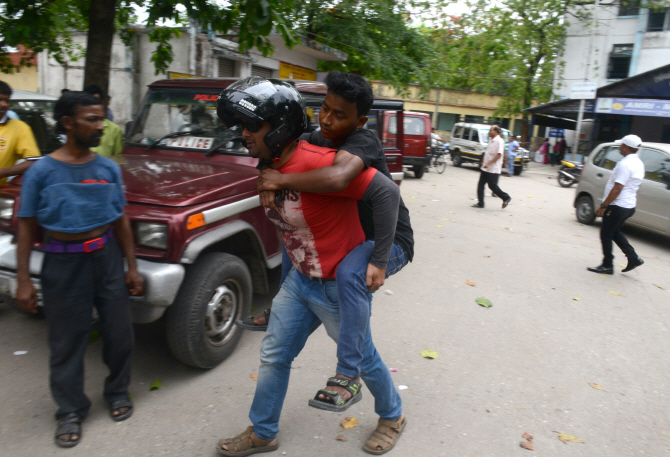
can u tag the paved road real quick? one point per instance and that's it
(521, 366)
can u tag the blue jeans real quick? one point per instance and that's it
(298, 309)
(354, 307)
(510, 162)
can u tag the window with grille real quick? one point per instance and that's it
(261, 71)
(619, 61)
(226, 68)
(656, 21)
(629, 7)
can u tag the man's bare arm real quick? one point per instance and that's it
(26, 296)
(16, 169)
(124, 234)
(333, 178)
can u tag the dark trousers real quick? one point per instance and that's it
(613, 219)
(492, 180)
(72, 284)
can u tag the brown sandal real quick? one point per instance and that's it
(245, 444)
(385, 436)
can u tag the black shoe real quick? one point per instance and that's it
(477, 205)
(504, 205)
(633, 264)
(603, 270)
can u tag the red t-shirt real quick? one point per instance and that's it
(319, 230)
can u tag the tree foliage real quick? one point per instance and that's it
(378, 36)
(508, 48)
(48, 25)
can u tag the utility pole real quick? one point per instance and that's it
(582, 102)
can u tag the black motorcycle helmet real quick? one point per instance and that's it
(255, 99)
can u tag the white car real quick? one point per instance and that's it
(653, 197)
(468, 143)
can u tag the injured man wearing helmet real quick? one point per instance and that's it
(319, 231)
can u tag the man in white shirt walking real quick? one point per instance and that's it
(619, 204)
(491, 168)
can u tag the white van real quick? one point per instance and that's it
(468, 143)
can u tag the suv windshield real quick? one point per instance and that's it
(484, 135)
(170, 111)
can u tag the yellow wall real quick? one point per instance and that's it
(22, 79)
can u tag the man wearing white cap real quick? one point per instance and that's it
(619, 204)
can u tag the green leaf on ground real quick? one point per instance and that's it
(660, 287)
(156, 385)
(613, 292)
(93, 337)
(575, 298)
(428, 354)
(485, 302)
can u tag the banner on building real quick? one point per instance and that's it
(556, 133)
(288, 71)
(633, 107)
(177, 75)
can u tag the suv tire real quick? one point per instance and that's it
(584, 210)
(418, 171)
(456, 159)
(217, 290)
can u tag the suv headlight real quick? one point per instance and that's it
(151, 235)
(6, 208)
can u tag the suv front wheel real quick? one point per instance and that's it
(217, 290)
(456, 159)
(584, 210)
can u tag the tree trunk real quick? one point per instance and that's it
(99, 44)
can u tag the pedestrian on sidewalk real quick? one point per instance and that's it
(491, 168)
(619, 204)
(16, 139)
(77, 197)
(512, 149)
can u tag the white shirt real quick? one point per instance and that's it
(495, 146)
(629, 172)
(435, 140)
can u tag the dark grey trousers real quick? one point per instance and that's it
(72, 284)
(492, 180)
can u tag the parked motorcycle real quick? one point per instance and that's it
(569, 173)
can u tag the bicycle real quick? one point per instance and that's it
(439, 160)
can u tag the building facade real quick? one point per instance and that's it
(625, 38)
(196, 54)
(447, 107)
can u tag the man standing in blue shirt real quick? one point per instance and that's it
(511, 154)
(77, 197)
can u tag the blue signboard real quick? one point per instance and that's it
(556, 133)
(633, 107)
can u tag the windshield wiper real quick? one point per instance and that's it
(174, 135)
(216, 144)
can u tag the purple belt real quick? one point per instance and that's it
(60, 247)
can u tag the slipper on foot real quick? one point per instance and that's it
(118, 405)
(334, 401)
(69, 424)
